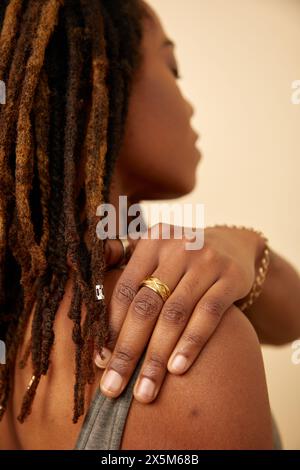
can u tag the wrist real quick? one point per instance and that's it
(260, 249)
(262, 261)
(258, 241)
(261, 254)
(253, 239)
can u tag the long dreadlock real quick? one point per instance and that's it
(68, 66)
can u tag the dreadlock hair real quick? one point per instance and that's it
(68, 66)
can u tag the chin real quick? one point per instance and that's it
(169, 188)
(186, 187)
(180, 189)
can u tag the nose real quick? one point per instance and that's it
(191, 112)
(190, 107)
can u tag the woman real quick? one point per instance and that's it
(98, 83)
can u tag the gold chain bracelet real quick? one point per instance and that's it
(262, 270)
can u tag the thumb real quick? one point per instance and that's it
(102, 361)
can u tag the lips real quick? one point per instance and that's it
(198, 154)
(196, 137)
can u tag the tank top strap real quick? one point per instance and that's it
(104, 423)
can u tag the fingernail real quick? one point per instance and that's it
(146, 389)
(111, 382)
(179, 363)
(102, 362)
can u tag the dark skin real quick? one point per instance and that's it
(199, 410)
(159, 132)
(202, 408)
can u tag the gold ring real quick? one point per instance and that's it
(158, 286)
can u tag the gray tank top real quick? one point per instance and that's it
(105, 421)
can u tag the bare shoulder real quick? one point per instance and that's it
(220, 403)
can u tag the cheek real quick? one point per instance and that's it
(158, 124)
(158, 149)
(163, 108)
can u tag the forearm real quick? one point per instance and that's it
(275, 314)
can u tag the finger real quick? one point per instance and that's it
(102, 361)
(172, 321)
(204, 320)
(141, 264)
(114, 251)
(135, 333)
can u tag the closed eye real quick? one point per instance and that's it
(176, 73)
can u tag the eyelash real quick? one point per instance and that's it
(176, 74)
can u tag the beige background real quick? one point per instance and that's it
(239, 59)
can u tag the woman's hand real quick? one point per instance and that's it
(204, 283)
